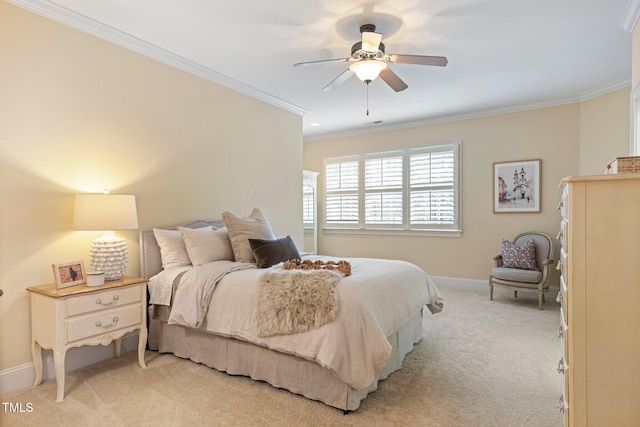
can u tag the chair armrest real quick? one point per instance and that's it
(498, 260)
(548, 261)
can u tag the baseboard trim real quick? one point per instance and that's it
(21, 377)
(445, 281)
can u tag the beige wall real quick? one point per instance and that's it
(604, 131)
(78, 114)
(555, 135)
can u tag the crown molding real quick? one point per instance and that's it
(631, 15)
(105, 32)
(603, 90)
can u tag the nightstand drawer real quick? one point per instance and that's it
(103, 323)
(103, 300)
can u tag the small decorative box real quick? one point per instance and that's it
(624, 165)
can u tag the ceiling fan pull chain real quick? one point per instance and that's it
(367, 98)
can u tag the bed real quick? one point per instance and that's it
(338, 363)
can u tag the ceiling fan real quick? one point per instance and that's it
(369, 61)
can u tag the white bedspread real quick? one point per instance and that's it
(378, 298)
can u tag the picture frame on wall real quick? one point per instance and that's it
(516, 186)
(69, 274)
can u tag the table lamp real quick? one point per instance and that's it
(106, 212)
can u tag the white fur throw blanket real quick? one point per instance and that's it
(293, 301)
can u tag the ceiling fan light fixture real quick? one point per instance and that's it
(368, 70)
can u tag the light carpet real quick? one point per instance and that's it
(480, 363)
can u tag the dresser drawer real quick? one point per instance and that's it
(563, 401)
(562, 236)
(564, 203)
(563, 343)
(564, 290)
(562, 368)
(102, 323)
(103, 300)
(563, 264)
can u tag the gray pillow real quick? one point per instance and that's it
(272, 252)
(522, 257)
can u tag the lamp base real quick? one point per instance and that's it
(108, 254)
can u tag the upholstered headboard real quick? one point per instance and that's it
(150, 260)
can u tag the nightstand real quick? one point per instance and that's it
(82, 315)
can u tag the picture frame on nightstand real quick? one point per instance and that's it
(69, 274)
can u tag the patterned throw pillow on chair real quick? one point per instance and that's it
(523, 257)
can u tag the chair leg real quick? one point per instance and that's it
(540, 299)
(490, 289)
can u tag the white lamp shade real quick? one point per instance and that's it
(105, 212)
(368, 70)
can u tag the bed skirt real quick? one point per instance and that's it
(281, 370)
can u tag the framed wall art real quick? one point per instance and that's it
(516, 186)
(69, 274)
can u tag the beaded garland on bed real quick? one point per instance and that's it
(343, 267)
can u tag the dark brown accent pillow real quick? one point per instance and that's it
(272, 252)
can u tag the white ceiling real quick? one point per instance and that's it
(504, 55)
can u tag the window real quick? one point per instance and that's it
(308, 206)
(413, 189)
(341, 192)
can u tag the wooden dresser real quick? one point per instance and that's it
(600, 296)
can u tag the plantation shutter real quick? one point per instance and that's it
(383, 178)
(432, 187)
(341, 192)
(308, 208)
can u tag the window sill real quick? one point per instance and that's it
(387, 232)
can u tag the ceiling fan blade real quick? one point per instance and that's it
(338, 80)
(439, 61)
(393, 80)
(371, 41)
(321, 61)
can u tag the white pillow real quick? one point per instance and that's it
(207, 244)
(256, 226)
(172, 249)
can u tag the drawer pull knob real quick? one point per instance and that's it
(561, 404)
(560, 332)
(559, 265)
(113, 301)
(113, 323)
(559, 297)
(561, 366)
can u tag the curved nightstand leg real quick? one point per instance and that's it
(36, 354)
(58, 361)
(117, 347)
(142, 344)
